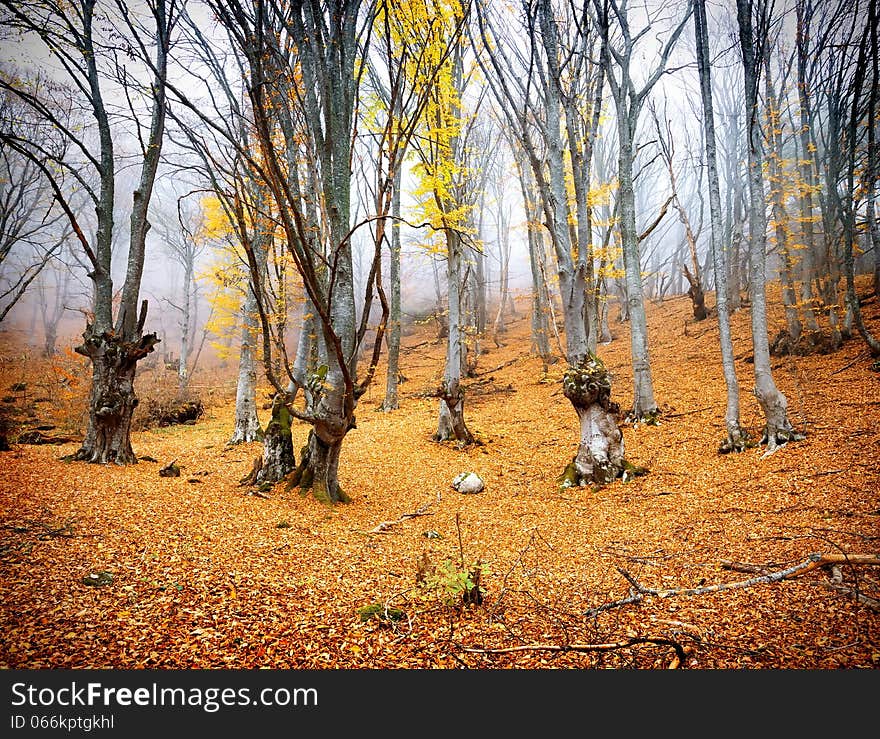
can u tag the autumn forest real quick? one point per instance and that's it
(453, 334)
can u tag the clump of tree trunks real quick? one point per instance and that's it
(160, 413)
(600, 456)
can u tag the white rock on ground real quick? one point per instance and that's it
(468, 482)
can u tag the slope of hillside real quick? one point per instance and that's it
(204, 573)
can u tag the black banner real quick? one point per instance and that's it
(388, 702)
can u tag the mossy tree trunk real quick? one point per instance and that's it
(600, 455)
(318, 468)
(278, 456)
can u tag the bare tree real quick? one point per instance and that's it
(753, 19)
(74, 36)
(32, 227)
(182, 236)
(736, 437)
(629, 100)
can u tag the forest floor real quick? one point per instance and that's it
(198, 571)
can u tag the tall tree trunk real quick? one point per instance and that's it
(644, 407)
(451, 423)
(185, 331)
(540, 299)
(116, 349)
(808, 177)
(736, 436)
(392, 337)
(246, 426)
(734, 262)
(849, 221)
(871, 174)
(774, 404)
(504, 260)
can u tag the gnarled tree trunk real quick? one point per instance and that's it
(112, 400)
(319, 465)
(278, 458)
(600, 455)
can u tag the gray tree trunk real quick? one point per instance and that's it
(186, 329)
(540, 299)
(736, 436)
(503, 231)
(451, 423)
(392, 337)
(247, 423)
(628, 103)
(777, 427)
(644, 407)
(572, 274)
(115, 350)
(808, 178)
(780, 217)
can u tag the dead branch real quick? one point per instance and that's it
(385, 525)
(847, 366)
(499, 367)
(853, 593)
(814, 561)
(680, 653)
(638, 591)
(66, 531)
(689, 413)
(405, 349)
(727, 564)
(632, 598)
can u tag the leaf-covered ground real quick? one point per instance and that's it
(201, 573)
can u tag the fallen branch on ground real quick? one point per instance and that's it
(495, 369)
(689, 413)
(638, 591)
(680, 653)
(385, 525)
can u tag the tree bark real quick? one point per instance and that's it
(278, 456)
(392, 338)
(247, 423)
(451, 423)
(736, 436)
(780, 217)
(600, 455)
(318, 469)
(112, 399)
(774, 404)
(644, 407)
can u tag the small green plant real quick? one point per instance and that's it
(457, 584)
(380, 612)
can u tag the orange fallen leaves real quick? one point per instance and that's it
(204, 576)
